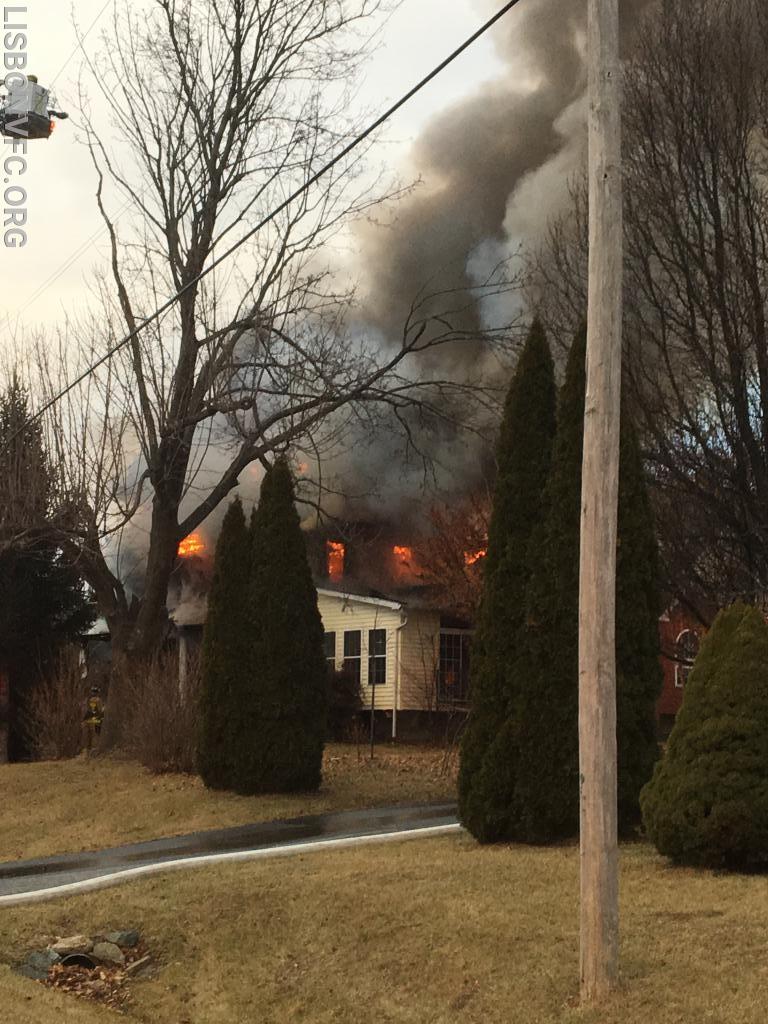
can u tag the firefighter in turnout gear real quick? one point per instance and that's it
(93, 718)
(25, 113)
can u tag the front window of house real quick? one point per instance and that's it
(686, 649)
(377, 657)
(352, 653)
(329, 646)
(453, 667)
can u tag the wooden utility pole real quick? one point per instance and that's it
(599, 514)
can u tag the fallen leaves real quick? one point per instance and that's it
(105, 984)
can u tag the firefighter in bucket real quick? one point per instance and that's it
(25, 112)
(92, 719)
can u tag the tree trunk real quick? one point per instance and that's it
(5, 710)
(152, 619)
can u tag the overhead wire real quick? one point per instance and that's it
(43, 287)
(268, 218)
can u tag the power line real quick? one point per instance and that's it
(77, 253)
(79, 44)
(54, 276)
(349, 148)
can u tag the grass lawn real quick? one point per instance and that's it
(433, 930)
(68, 806)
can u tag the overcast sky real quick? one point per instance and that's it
(60, 181)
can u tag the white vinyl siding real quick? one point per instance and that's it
(411, 651)
(343, 613)
(418, 660)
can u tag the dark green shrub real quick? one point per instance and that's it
(546, 790)
(523, 456)
(345, 702)
(707, 804)
(227, 645)
(279, 743)
(546, 800)
(638, 669)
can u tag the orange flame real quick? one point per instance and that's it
(472, 557)
(191, 545)
(405, 566)
(335, 557)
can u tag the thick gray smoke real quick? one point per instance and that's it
(496, 169)
(495, 166)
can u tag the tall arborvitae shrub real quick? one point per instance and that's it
(523, 457)
(638, 604)
(546, 715)
(227, 645)
(707, 804)
(285, 722)
(546, 794)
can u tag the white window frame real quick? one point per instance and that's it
(331, 659)
(682, 670)
(448, 631)
(377, 657)
(354, 658)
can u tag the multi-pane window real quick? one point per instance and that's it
(352, 653)
(453, 668)
(329, 646)
(686, 649)
(377, 657)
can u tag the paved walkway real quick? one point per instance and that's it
(51, 877)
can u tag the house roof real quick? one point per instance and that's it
(194, 614)
(346, 595)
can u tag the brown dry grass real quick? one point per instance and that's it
(67, 806)
(420, 932)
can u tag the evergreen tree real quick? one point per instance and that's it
(707, 804)
(44, 604)
(546, 794)
(638, 603)
(486, 774)
(289, 689)
(546, 799)
(227, 647)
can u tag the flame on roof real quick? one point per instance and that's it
(192, 545)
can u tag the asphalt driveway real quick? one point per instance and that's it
(66, 874)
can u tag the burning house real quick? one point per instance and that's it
(384, 621)
(387, 622)
(386, 625)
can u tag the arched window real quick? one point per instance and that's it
(686, 649)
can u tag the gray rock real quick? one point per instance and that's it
(125, 940)
(108, 953)
(37, 964)
(73, 944)
(34, 973)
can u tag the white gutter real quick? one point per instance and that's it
(398, 666)
(348, 596)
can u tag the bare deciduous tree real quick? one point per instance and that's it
(696, 251)
(451, 554)
(219, 109)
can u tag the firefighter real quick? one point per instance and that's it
(92, 719)
(25, 113)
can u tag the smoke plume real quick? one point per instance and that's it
(495, 166)
(495, 169)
